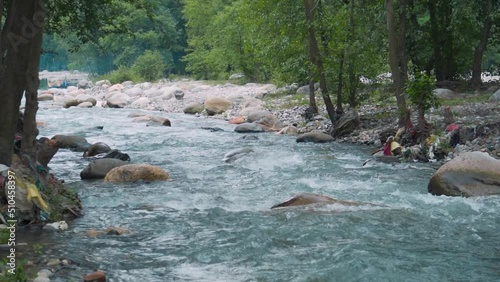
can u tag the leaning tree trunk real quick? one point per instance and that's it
(28, 145)
(481, 47)
(397, 56)
(315, 58)
(20, 45)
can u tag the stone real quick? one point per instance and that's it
(303, 90)
(45, 97)
(41, 279)
(119, 100)
(96, 149)
(257, 115)
(346, 124)
(233, 155)
(468, 175)
(74, 143)
(315, 137)
(85, 105)
(248, 111)
(99, 168)
(216, 105)
(311, 198)
(84, 84)
(92, 233)
(102, 83)
(72, 102)
(57, 226)
(135, 91)
(444, 93)
(116, 87)
(237, 120)
(86, 98)
(289, 130)
(97, 276)
(252, 102)
(114, 154)
(236, 76)
(134, 172)
(140, 103)
(495, 97)
(155, 120)
(179, 95)
(248, 128)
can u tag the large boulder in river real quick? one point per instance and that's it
(134, 172)
(75, 143)
(248, 128)
(311, 198)
(99, 168)
(315, 137)
(470, 174)
(96, 149)
(217, 105)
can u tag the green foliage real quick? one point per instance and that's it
(120, 75)
(420, 92)
(149, 66)
(4, 236)
(128, 29)
(19, 275)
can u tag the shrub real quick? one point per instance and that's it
(121, 74)
(420, 92)
(149, 66)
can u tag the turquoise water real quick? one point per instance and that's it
(212, 221)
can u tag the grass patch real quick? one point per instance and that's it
(4, 236)
(287, 101)
(466, 99)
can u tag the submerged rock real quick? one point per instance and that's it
(97, 276)
(96, 149)
(100, 167)
(311, 198)
(72, 142)
(315, 137)
(248, 128)
(233, 155)
(134, 172)
(469, 174)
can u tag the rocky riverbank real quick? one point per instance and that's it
(478, 122)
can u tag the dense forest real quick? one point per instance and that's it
(268, 40)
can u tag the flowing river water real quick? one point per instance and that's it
(212, 221)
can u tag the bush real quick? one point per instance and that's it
(121, 74)
(149, 66)
(420, 92)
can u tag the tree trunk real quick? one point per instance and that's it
(352, 77)
(315, 58)
(339, 83)
(313, 108)
(397, 58)
(481, 47)
(20, 33)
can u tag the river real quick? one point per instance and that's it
(212, 221)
